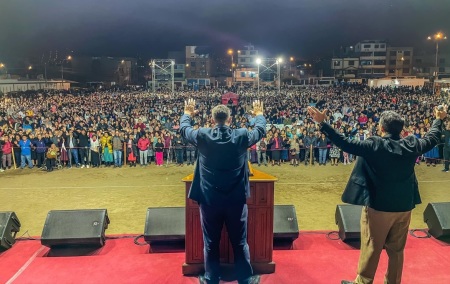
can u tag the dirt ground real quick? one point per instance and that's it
(128, 192)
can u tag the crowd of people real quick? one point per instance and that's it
(48, 129)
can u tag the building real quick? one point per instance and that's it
(424, 64)
(372, 58)
(246, 76)
(247, 57)
(22, 85)
(345, 67)
(399, 61)
(198, 63)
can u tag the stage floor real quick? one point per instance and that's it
(314, 259)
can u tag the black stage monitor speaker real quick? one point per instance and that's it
(348, 220)
(9, 227)
(165, 224)
(75, 227)
(437, 217)
(285, 225)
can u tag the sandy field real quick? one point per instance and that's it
(128, 192)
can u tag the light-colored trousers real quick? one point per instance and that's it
(380, 230)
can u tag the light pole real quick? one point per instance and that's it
(279, 61)
(62, 69)
(437, 37)
(230, 52)
(258, 62)
(4, 66)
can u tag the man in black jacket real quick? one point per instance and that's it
(446, 135)
(83, 143)
(384, 181)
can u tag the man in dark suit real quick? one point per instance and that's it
(446, 135)
(221, 185)
(384, 182)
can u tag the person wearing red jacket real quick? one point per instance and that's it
(6, 150)
(142, 145)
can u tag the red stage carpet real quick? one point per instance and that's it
(314, 259)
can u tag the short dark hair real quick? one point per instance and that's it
(392, 122)
(220, 114)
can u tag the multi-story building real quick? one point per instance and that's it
(247, 57)
(198, 63)
(425, 64)
(372, 55)
(345, 67)
(399, 61)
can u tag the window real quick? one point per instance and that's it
(405, 71)
(377, 46)
(379, 62)
(366, 46)
(382, 46)
(441, 69)
(253, 52)
(380, 53)
(418, 61)
(366, 54)
(406, 61)
(366, 62)
(378, 70)
(442, 60)
(392, 62)
(193, 64)
(242, 74)
(351, 63)
(391, 71)
(393, 53)
(337, 63)
(407, 53)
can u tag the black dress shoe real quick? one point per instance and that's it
(347, 282)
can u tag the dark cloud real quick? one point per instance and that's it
(151, 28)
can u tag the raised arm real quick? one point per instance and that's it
(359, 148)
(186, 129)
(259, 129)
(433, 136)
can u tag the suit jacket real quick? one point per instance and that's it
(221, 175)
(383, 177)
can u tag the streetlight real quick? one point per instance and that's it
(230, 52)
(30, 67)
(437, 37)
(279, 61)
(258, 62)
(68, 58)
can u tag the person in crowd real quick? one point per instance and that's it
(159, 148)
(94, 146)
(322, 144)
(221, 186)
(277, 146)
(52, 155)
(179, 149)
(308, 142)
(432, 156)
(261, 149)
(41, 148)
(335, 154)
(132, 154)
(64, 155)
(107, 149)
(72, 146)
(446, 148)
(384, 182)
(6, 150)
(83, 144)
(117, 146)
(190, 153)
(2, 143)
(293, 151)
(142, 145)
(25, 152)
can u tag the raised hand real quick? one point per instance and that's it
(316, 114)
(258, 107)
(440, 112)
(189, 107)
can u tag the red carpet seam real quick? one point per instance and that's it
(25, 266)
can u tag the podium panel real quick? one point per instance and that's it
(259, 228)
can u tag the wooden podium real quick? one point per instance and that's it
(259, 228)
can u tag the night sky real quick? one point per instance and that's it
(150, 28)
